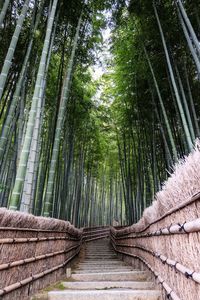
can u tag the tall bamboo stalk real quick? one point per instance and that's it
(172, 142)
(8, 60)
(189, 42)
(64, 98)
(21, 171)
(189, 26)
(27, 201)
(16, 97)
(172, 77)
(3, 11)
(197, 130)
(187, 112)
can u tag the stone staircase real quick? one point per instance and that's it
(102, 276)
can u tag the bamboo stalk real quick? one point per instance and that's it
(21, 171)
(8, 60)
(3, 11)
(172, 77)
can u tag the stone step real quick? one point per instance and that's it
(99, 285)
(105, 295)
(101, 250)
(97, 265)
(93, 266)
(111, 276)
(111, 262)
(101, 254)
(100, 271)
(98, 257)
(100, 267)
(105, 261)
(98, 248)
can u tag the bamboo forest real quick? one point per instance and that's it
(99, 99)
(99, 149)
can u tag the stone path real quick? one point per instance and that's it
(102, 276)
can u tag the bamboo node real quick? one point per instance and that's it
(161, 282)
(169, 295)
(169, 228)
(182, 227)
(175, 266)
(189, 275)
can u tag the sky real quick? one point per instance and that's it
(100, 68)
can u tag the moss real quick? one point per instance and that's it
(43, 296)
(59, 286)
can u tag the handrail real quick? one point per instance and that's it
(178, 228)
(193, 199)
(34, 277)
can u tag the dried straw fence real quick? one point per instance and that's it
(169, 247)
(166, 240)
(34, 252)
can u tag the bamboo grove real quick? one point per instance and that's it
(95, 150)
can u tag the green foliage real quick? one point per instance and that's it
(114, 145)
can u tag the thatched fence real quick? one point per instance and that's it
(34, 252)
(166, 240)
(169, 248)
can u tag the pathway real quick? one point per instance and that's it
(103, 276)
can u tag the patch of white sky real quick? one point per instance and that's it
(103, 56)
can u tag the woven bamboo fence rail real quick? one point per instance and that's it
(169, 248)
(34, 253)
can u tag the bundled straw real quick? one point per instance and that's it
(23, 220)
(182, 184)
